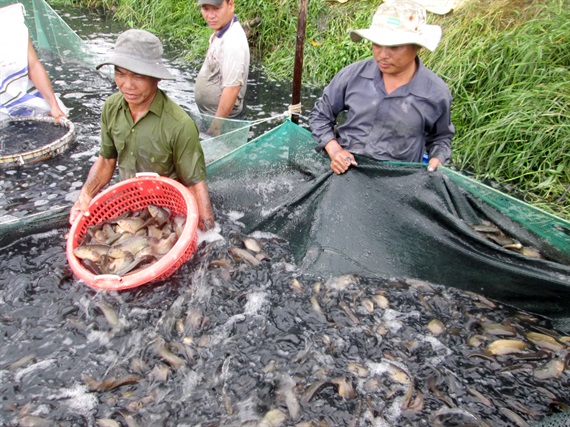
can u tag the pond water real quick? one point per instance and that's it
(227, 342)
(33, 189)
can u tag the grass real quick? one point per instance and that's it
(507, 63)
(509, 75)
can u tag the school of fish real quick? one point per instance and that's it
(239, 336)
(135, 240)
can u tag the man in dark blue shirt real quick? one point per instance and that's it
(396, 108)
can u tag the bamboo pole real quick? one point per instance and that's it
(300, 45)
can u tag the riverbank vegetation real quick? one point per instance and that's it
(507, 63)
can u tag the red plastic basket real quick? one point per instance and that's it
(132, 195)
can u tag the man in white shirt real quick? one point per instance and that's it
(222, 81)
(25, 87)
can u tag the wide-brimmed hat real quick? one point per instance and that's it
(140, 52)
(216, 3)
(400, 22)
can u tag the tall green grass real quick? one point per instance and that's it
(509, 71)
(507, 63)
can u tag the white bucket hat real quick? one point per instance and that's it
(400, 22)
(140, 52)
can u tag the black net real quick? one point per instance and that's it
(27, 135)
(390, 220)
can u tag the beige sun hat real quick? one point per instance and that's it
(140, 52)
(400, 22)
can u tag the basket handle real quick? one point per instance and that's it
(110, 277)
(146, 174)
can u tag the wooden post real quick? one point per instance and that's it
(298, 70)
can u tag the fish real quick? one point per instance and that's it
(341, 282)
(130, 225)
(169, 357)
(252, 244)
(178, 224)
(515, 418)
(436, 327)
(357, 369)
(367, 305)
(131, 245)
(34, 421)
(92, 266)
(107, 422)
(20, 362)
(273, 418)
(296, 285)
(501, 347)
(91, 252)
(130, 420)
(345, 388)
(109, 313)
(531, 252)
(482, 398)
(138, 263)
(545, 341)
(498, 329)
(130, 242)
(349, 312)
(160, 214)
(245, 255)
(286, 392)
(160, 372)
(455, 416)
(486, 227)
(551, 369)
(110, 383)
(119, 264)
(381, 301)
(163, 246)
(315, 389)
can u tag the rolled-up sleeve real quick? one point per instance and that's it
(322, 118)
(438, 138)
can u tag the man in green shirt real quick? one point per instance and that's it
(142, 130)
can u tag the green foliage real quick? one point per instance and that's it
(508, 70)
(507, 63)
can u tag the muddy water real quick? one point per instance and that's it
(224, 342)
(52, 185)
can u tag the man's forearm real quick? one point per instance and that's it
(332, 148)
(205, 212)
(99, 175)
(227, 101)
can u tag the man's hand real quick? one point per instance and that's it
(215, 128)
(57, 113)
(205, 211)
(80, 207)
(341, 159)
(433, 164)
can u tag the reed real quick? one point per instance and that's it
(507, 63)
(508, 67)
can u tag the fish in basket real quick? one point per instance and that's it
(137, 231)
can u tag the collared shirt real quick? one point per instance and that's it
(165, 140)
(226, 64)
(396, 126)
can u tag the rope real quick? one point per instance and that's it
(295, 109)
(292, 109)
